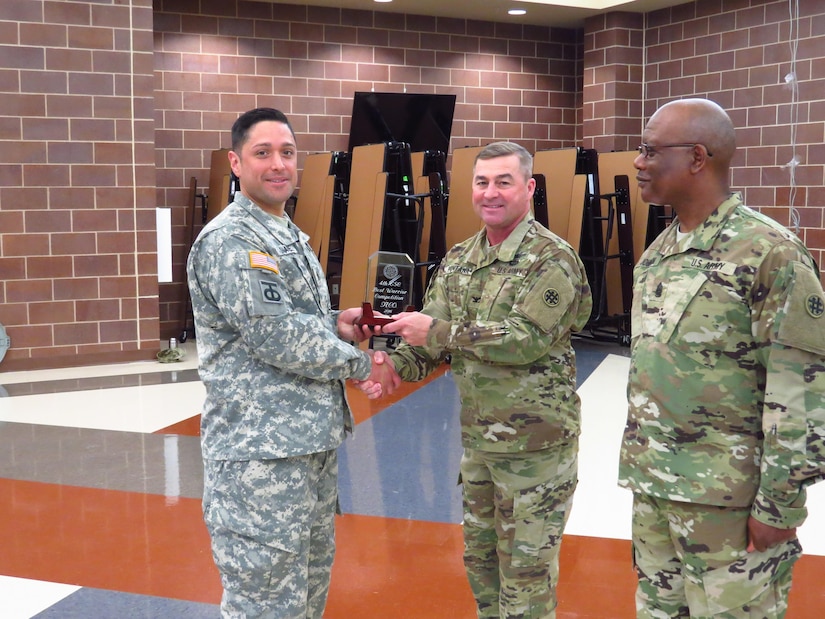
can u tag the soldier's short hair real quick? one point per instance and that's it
(247, 120)
(503, 149)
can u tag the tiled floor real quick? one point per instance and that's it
(100, 482)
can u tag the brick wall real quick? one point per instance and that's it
(510, 81)
(613, 81)
(78, 273)
(738, 53)
(87, 153)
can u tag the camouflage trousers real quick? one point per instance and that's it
(515, 509)
(692, 561)
(273, 534)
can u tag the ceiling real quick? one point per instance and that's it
(559, 13)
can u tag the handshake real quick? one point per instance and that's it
(412, 327)
(383, 378)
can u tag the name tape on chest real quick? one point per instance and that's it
(508, 270)
(494, 270)
(700, 264)
(458, 268)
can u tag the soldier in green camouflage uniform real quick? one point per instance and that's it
(273, 358)
(726, 423)
(503, 305)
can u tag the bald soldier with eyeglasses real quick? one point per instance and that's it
(726, 420)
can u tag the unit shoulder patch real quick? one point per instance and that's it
(270, 292)
(801, 327)
(552, 297)
(815, 306)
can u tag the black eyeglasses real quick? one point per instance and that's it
(648, 151)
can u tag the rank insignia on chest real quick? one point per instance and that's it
(552, 297)
(815, 306)
(260, 260)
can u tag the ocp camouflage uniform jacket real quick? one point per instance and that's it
(270, 357)
(727, 377)
(505, 315)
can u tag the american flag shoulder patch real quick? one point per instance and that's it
(260, 260)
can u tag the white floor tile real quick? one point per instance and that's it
(600, 507)
(812, 532)
(190, 361)
(127, 409)
(21, 598)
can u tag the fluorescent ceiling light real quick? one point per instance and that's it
(517, 12)
(596, 5)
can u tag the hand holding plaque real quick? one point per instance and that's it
(389, 288)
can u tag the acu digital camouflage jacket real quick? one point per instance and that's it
(270, 357)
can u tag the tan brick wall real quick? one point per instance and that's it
(613, 81)
(87, 152)
(512, 82)
(738, 53)
(78, 274)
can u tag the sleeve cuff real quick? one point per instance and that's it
(439, 334)
(361, 366)
(780, 516)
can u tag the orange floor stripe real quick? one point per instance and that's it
(388, 567)
(123, 541)
(187, 427)
(596, 579)
(808, 591)
(154, 545)
(151, 545)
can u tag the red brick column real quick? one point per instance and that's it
(613, 81)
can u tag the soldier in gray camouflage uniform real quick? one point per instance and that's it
(273, 358)
(726, 423)
(503, 305)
